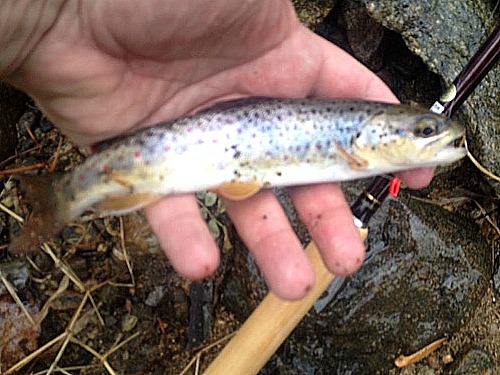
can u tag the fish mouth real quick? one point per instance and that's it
(442, 149)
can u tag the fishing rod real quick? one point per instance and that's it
(274, 319)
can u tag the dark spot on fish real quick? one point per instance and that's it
(278, 173)
(237, 154)
(264, 217)
(161, 177)
(319, 216)
(351, 109)
(328, 109)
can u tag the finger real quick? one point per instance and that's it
(416, 178)
(329, 220)
(182, 233)
(265, 229)
(342, 76)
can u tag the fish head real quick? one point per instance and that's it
(408, 139)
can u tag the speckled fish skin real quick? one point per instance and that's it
(273, 142)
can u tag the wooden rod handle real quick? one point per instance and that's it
(269, 325)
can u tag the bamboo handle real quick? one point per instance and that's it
(269, 325)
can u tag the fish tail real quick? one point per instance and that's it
(45, 220)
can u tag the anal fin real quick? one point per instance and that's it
(125, 203)
(238, 191)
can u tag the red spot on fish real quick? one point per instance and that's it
(82, 177)
(167, 148)
(214, 140)
(106, 168)
(138, 154)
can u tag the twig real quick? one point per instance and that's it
(104, 357)
(63, 285)
(478, 165)
(16, 298)
(65, 370)
(11, 213)
(404, 361)
(19, 365)
(68, 333)
(65, 268)
(28, 168)
(197, 357)
(125, 253)
(53, 166)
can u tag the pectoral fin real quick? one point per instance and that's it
(355, 162)
(238, 191)
(126, 203)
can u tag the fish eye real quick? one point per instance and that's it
(426, 127)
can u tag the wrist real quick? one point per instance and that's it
(22, 25)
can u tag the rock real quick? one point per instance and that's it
(19, 336)
(475, 362)
(16, 272)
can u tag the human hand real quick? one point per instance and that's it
(100, 69)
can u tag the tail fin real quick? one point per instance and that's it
(43, 222)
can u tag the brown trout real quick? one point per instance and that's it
(239, 147)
